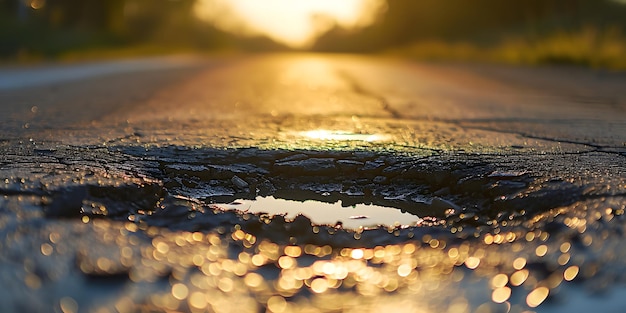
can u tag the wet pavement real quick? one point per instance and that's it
(117, 187)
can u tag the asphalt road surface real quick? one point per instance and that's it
(115, 179)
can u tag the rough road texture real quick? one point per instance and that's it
(109, 187)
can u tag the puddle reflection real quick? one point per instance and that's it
(342, 136)
(321, 213)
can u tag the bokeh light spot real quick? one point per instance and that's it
(472, 262)
(500, 295)
(571, 273)
(319, 285)
(180, 291)
(537, 296)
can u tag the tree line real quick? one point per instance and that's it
(50, 27)
(481, 21)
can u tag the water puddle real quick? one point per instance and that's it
(321, 134)
(321, 213)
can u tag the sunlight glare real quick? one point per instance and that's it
(294, 23)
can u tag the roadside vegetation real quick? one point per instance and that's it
(589, 33)
(41, 30)
(588, 47)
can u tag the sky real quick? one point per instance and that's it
(296, 23)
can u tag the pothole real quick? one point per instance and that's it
(183, 187)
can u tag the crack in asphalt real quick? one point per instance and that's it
(359, 89)
(386, 106)
(596, 148)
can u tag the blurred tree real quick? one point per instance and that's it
(49, 27)
(408, 21)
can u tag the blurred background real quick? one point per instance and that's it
(573, 32)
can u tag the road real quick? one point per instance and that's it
(563, 105)
(112, 172)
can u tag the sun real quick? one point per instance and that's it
(296, 23)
